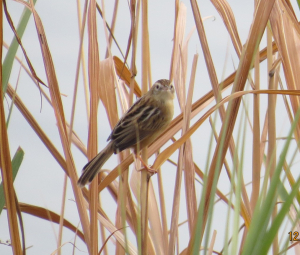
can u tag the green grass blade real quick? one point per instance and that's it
(10, 56)
(262, 215)
(16, 163)
(269, 236)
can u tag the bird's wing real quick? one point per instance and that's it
(130, 112)
(141, 121)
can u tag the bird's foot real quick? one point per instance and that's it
(148, 168)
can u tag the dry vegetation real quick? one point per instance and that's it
(257, 218)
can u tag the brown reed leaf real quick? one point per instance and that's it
(46, 214)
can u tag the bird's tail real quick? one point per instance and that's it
(92, 168)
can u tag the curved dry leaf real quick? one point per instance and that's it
(125, 75)
(46, 214)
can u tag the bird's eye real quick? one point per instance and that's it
(171, 87)
(157, 86)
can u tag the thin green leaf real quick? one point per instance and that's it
(10, 56)
(16, 163)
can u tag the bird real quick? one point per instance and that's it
(143, 122)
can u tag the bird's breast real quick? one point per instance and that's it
(167, 109)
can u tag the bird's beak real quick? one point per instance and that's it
(165, 87)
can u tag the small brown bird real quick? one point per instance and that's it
(145, 120)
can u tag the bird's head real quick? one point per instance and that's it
(163, 89)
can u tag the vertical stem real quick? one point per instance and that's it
(256, 137)
(84, 72)
(93, 68)
(271, 157)
(144, 174)
(60, 231)
(135, 10)
(112, 26)
(6, 168)
(62, 212)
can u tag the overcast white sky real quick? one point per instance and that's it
(40, 178)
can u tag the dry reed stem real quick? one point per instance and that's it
(163, 213)
(144, 183)
(178, 67)
(177, 6)
(6, 169)
(154, 221)
(112, 27)
(156, 232)
(59, 114)
(189, 173)
(271, 155)
(70, 129)
(256, 137)
(79, 58)
(94, 82)
(83, 63)
(108, 97)
(107, 91)
(134, 14)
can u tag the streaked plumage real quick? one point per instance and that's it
(146, 119)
